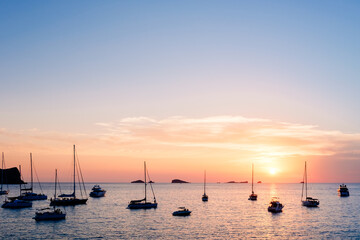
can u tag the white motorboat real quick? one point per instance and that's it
(343, 191)
(97, 191)
(275, 206)
(143, 203)
(16, 203)
(253, 196)
(308, 201)
(205, 197)
(182, 212)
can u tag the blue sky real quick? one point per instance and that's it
(65, 65)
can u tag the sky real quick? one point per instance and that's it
(183, 85)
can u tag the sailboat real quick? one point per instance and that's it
(309, 201)
(28, 193)
(143, 203)
(55, 214)
(2, 191)
(70, 199)
(253, 196)
(205, 197)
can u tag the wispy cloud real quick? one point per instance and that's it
(225, 139)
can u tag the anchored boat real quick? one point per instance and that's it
(48, 213)
(343, 191)
(308, 201)
(205, 197)
(28, 194)
(71, 199)
(275, 206)
(97, 191)
(182, 212)
(253, 196)
(16, 203)
(143, 203)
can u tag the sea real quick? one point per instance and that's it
(227, 215)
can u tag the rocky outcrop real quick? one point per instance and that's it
(11, 176)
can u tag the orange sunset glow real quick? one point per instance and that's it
(179, 147)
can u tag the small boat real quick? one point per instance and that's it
(48, 214)
(3, 191)
(275, 206)
(308, 201)
(205, 197)
(182, 212)
(28, 194)
(259, 182)
(97, 191)
(16, 203)
(143, 203)
(252, 196)
(71, 199)
(343, 191)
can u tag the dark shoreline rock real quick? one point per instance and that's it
(11, 176)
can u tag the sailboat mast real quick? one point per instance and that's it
(55, 182)
(2, 170)
(145, 178)
(20, 177)
(74, 170)
(204, 181)
(31, 172)
(305, 181)
(252, 179)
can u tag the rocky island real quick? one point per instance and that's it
(138, 181)
(178, 181)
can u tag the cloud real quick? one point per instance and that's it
(262, 137)
(221, 141)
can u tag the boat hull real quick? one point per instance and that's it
(274, 210)
(67, 202)
(49, 217)
(310, 203)
(97, 194)
(181, 213)
(205, 198)
(17, 204)
(142, 205)
(344, 194)
(33, 197)
(252, 197)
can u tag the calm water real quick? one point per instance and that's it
(227, 214)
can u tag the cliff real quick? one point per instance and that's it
(11, 176)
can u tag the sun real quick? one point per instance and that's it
(272, 171)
